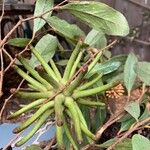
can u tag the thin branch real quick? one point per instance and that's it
(11, 59)
(1, 73)
(27, 19)
(12, 141)
(138, 41)
(3, 11)
(6, 100)
(48, 147)
(126, 134)
(1, 17)
(25, 49)
(139, 4)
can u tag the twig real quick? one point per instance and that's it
(50, 144)
(6, 100)
(137, 125)
(11, 59)
(139, 4)
(1, 17)
(1, 73)
(3, 11)
(138, 41)
(27, 19)
(12, 141)
(25, 49)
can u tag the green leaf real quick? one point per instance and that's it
(139, 142)
(33, 147)
(129, 73)
(145, 115)
(125, 125)
(100, 117)
(99, 16)
(143, 72)
(63, 28)
(41, 7)
(124, 145)
(19, 42)
(133, 108)
(96, 39)
(105, 68)
(46, 47)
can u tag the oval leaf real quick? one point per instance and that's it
(65, 29)
(19, 42)
(41, 7)
(125, 125)
(99, 16)
(106, 67)
(96, 39)
(133, 108)
(139, 142)
(143, 71)
(129, 73)
(46, 47)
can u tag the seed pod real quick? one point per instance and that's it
(70, 138)
(87, 132)
(34, 73)
(55, 69)
(59, 107)
(74, 84)
(90, 83)
(34, 95)
(90, 103)
(93, 91)
(37, 126)
(76, 63)
(44, 64)
(29, 121)
(96, 59)
(69, 103)
(26, 108)
(59, 137)
(81, 117)
(32, 81)
(71, 60)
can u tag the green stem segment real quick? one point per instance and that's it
(72, 60)
(37, 126)
(93, 91)
(76, 63)
(29, 79)
(70, 138)
(59, 108)
(34, 95)
(59, 137)
(29, 121)
(55, 69)
(53, 82)
(74, 84)
(44, 64)
(69, 103)
(90, 103)
(90, 83)
(26, 108)
(88, 132)
(34, 73)
(96, 59)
